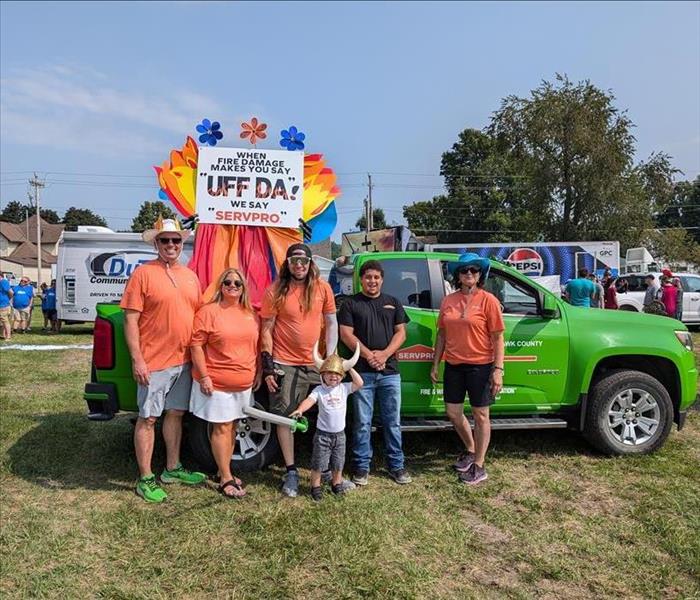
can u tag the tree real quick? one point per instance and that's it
(148, 215)
(378, 220)
(683, 209)
(81, 216)
(14, 212)
(557, 165)
(335, 250)
(674, 246)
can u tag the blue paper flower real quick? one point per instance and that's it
(292, 139)
(210, 132)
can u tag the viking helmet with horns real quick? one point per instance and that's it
(335, 364)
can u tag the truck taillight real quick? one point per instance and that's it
(103, 344)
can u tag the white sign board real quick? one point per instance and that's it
(250, 187)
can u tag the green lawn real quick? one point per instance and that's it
(555, 519)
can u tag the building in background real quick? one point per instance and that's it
(18, 250)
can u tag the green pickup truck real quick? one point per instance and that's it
(622, 379)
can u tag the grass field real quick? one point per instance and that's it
(555, 519)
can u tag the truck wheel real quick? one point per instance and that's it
(256, 444)
(629, 412)
(628, 308)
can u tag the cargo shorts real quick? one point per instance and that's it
(329, 451)
(294, 387)
(6, 315)
(168, 389)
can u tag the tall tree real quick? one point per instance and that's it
(683, 209)
(378, 220)
(555, 166)
(149, 213)
(50, 216)
(14, 212)
(81, 216)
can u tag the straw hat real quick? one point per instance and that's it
(164, 226)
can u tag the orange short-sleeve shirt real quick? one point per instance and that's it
(296, 332)
(468, 320)
(229, 337)
(167, 301)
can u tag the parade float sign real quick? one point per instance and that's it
(250, 187)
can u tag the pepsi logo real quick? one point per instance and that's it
(527, 261)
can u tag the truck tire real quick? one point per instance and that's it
(256, 442)
(629, 412)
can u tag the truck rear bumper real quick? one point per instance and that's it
(101, 399)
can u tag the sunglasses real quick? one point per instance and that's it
(174, 240)
(238, 284)
(472, 270)
(298, 260)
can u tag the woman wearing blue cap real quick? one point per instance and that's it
(470, 335)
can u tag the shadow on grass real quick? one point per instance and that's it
(66, 451)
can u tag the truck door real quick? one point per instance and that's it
(537, 349)
(691, 298)
(410, 280)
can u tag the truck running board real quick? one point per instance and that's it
(499, 423)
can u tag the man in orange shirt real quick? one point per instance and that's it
(159, 302)
(293, 310)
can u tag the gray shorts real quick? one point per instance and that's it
(329, 451)
(168, 389)
(295, 386)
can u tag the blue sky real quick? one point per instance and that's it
(94, 94)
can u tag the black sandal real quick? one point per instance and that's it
(238, 493)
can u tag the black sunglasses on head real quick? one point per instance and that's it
(238, 284)
(166, 240)
(472, 270)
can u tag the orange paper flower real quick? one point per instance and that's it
(253, 130)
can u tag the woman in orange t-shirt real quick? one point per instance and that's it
(470, 335)
(225, 369)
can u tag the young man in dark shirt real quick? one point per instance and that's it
(378, 323)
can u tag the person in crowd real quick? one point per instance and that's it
(332, 400)
(6, 294)
(679, 297)
(470, 335)
(598, 298)
(22, 298)
(580, 291)
(376, 321)
(610, 293)
(48, 307)
(294, 308)
(159, 302)
(668, 295)
(225, 369)
(652, 290)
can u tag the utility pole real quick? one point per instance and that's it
(37, 185)
(370, 224)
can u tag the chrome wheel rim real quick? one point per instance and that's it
(252, 435)
(634, 417)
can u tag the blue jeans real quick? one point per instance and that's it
(387, 389)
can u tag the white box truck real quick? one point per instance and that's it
(94, 267)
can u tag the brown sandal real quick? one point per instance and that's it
(238, 491)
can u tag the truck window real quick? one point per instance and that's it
(692, 284)
(515, 297)
(408, 280)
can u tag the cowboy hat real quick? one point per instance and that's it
(164, 226)
(469, 259)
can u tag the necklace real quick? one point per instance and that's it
(296, 291)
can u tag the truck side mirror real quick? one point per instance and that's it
(549, 307)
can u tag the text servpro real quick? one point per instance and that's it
(248, 217)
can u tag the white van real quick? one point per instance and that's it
(94, 267)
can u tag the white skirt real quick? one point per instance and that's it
(220, 407)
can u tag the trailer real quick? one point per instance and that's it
(94, 267)
(544, 259)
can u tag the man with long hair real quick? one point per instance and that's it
(294, 309)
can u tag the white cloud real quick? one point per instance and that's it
(68, 105)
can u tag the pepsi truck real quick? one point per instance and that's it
(94, 267)
(545, 259)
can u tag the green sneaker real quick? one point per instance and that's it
(181, 475)
(149, 490)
